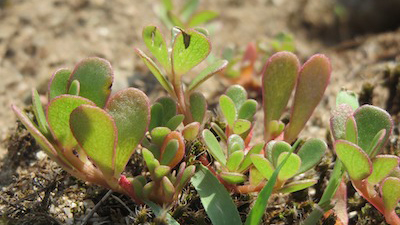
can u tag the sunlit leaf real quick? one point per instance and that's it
(356, 161)
(170, 151)
(338, 121)
(391, 192)
(297, 186)
(158, 135)
(198, 106)
(235, 143)
(311, 153)
(168, 187)
(277, 149)
(39, 112)
(262, 164)
(58, 83)
(234, 160)
(213, 147)
(347, 97)
(74, 88)
(157, 113)
(232, 177)
(161, 171)
(149, 159)
(238, 95)
(382, 165)
(175, 121)
(95, 76)
(228, 109)
(291, 167)
(208, 72)
(155, 42)
(248, 110)
(351, 130)
(180, 152)
(187, 174)
(130, 109)
(96, 133)
(256, 149)
(169, 108)
(189, 49)
(313, 79)
(191, 131)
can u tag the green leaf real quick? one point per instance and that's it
(130, 109)
(382, 166)
(58, 83)
(175, 121)
(338, 121)
(248, 110)
(255, 176)
(155, 71)
(241, 126)
(96, 133)
(234, 160)
(39, 113)
(256, 149)
(311, 154)
(178, 154)
(170, 151)
(157, 113)
(235, 143)
(149, 159)
(137, 184)
(215, 198)
(238, 95)
(356, 161)
(313, 78)
(169, 108)
(291, 167)
(262, 164)
(258, 210)
(160, 212)
(167, 4)
(198, 106)
(189, 49)
(208, 72)
(95, 76)
(155, 42)
(161, 171)
(187, 174)
(351, 130)
(376, 143)
(213, 146)
(391, 193)
(158, 135)
(277, 149)
(228, 109)
(189, 8)
(74, 88)
(370, 120)
(278, 81)
(202, 18)
(275, 128)
(168, 187)
(218, 130)
(297, 186)
(347, 97)
(148, 189)
(58, 115)
(232, 177)
(191, 131)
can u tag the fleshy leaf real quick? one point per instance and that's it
(234, 160)
(95, 76)
(256, 149)
(311, 154)
(241, 126)
(356, 161)
(277, 149)
(208, 72)
(158, 135)
(218, 130)
(137, 185)
(74, 88)
(238, 95)
(149, 159)
(313, 79)
(235, 143)
(351, 130)
(174, 122)
(255, 176)
(198, 106)
(275, 128)
(290, 168)
(279, 78)
(58, 83)
(263, 165)
(168, 187)
(169, 108)
(370, 120)
(391, 192)
(187, 174)
(130, 110)
(202, 17)
(161, 171)
(382, 166)
(58, 115)
(191, 131)
(297, 186)
(155, 42)
(96, 133)
(157, 113)
(180, 152)
(338, 121)
(170, 151)
(232, 177)
(155, 71)
(228, 109)
(189, 49)
(213, 147)
(39, 112)
(248, 110)
(376, 143)
(148, 189)
(347, 97)
(215, 198)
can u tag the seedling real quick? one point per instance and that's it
(186, 17)
(360, 135)
(88, 133)
(189, 48)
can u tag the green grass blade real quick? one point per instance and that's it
(215, 198)
(160, 212)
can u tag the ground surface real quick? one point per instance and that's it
(37, 38)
